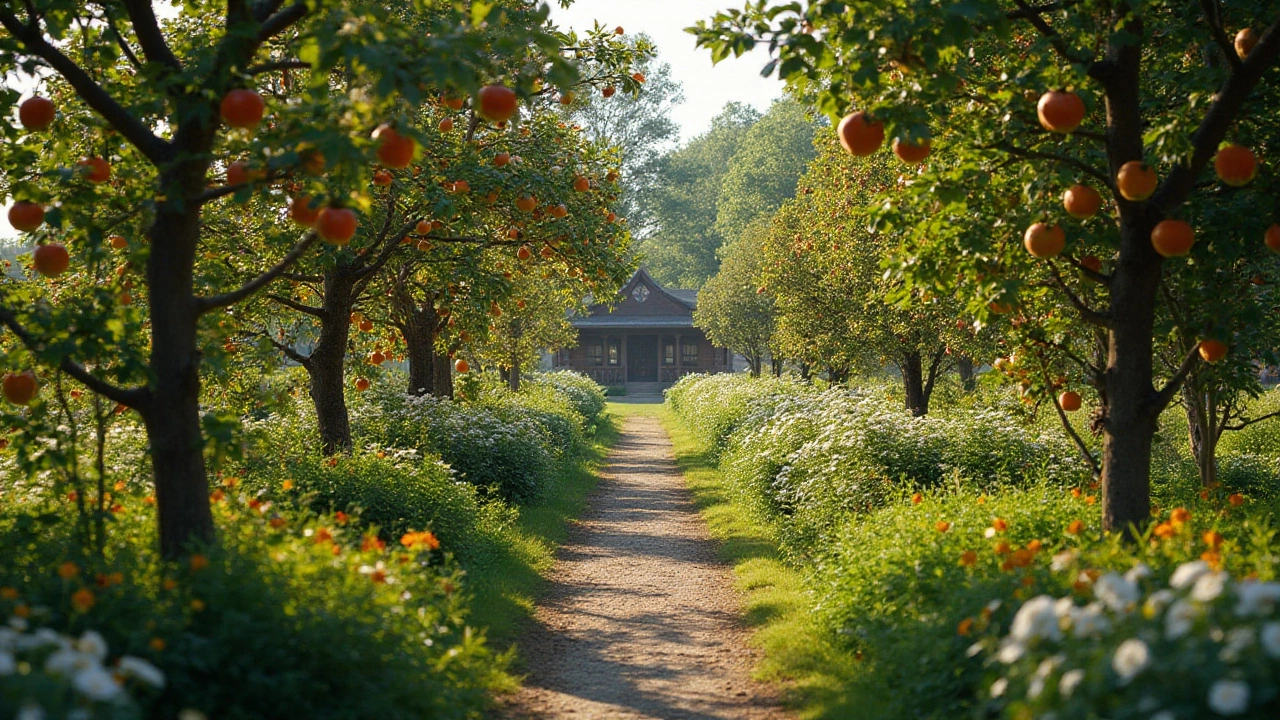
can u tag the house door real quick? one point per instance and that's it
(642, 358)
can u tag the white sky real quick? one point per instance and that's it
(706, 88)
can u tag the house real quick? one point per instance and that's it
(646, 342)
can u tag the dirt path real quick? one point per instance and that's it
(641, 620)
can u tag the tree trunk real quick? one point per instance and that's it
(1202, 429)
(513, 377)
(968, 379)
(806, 371)
(753, 363)
(418, 324)
(172, 415)
(912, 368)
(776, 363)
(442, 371)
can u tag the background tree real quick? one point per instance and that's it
(763, 171)
(980, 78)
(733, 309)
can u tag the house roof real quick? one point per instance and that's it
(602, 317)
(630, 321)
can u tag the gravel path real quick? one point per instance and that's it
(641, 620)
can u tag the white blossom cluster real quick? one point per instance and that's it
(40, 664)
(1201, 645)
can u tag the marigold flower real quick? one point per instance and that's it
(199, 562)
(341, 518)
(149, 500)
(117, 508)
(231, 482)
(1212, 538)
(968, 558)
(982, 499)
(333, 462)
(1090, 499)
(119, 486)
(323, 535)
(1075, 527)
(420, 539)
(1204, 494)
(372, 542)
(1075, 492)
(1235, 499)
(287, 485)
(21, 611)
(378, 576)
(965, 626)
(8, 593)
(1213, 557)
(1165, 530)
(942, 526)
(157, 644)
(1002, 548)
(1179, 516)
(198, 605)
(1034, 546)
(255, 503)
(1021, 558)
(1000, 525)
(169, 584)
(83, 600)
(1006, 566)
(68, 570)
(917, 498)
(216, 496)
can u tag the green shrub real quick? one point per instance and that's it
(586, 395)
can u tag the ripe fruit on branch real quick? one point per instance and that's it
(1060, 111)
(524, 253)
(452, 102)
(559, 211)
(566, 97)
(1212, 350)
(859, 134)
(446, 125)
(526, 203)
(1173, 238)
(20, 388)
(382, 178)
(1245, 40)
(239, 173)
(1070, 401)
(461, 186)
(1092, 262)
(51, 260)
(362, 384)
(95, 169)
(26, 216)
(336, 225)
(377, 358)
(423, 227)
(242, 108)
(496, 103)
(501, 159)
(1272, 238)
(394, 150)
(36, 113)
(638, 77)
(1081, 201)
(581, 184)
(618, 30)
(366, 325)
(1137, 180)
(461, 366)
(118, 242)
(303, 212)
(1235, 165)
(1044, 241)
(909, 153)
(608, 91)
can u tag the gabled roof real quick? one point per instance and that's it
(688, 298)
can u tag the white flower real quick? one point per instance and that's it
(1229, 697)
(1131, 658)
(1164, 715)
(7, 664)
(65, 662)
(1157, 602)
(1011, 651)
(141, 670)
(1069, 681)
(1257, 598)
(1063, 560)
(96, 684)
(1179, 619)
(1049, 664)
(30, 711)
(93, 645)
(999, 686)
(1209, 586)
(1036, 619)
(1271, 639)
(1116, 592)
(1089, 621)
(1138, 572)
(1035, 687)
(1188, 573)
(1238, 640)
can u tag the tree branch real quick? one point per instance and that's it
(281, 21)
(1088, 314)
(311, 310)
(1032, 15)
(147, 30)
(1219, 35)
(1165, 396)
(137, 398)
(1080, 165)
(156, 150)
(205, 304)
(1246, 423)
(1066, 423)
(277, 66)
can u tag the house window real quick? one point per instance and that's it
(615, 351)
(562, 357)
(595, 354)
(689, 353)
(668, 352)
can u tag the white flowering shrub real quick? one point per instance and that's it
(1200, 643)
(714, 406)
(46, 675)
(585, 394)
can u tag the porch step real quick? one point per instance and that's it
(646, 388)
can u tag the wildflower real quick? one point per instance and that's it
(1179, 619)
(199, 562)
(1180, 516)
(119, 486)
(1036, 619)
(73, 496)
(21, 611)
(1229, 697)
(1069, 681)
(999, 686)
(333, 462)
(1236, 499)
(965, 626)
(1075, 492)
(1204, 494)
(999, 525)
(1187, 573)
(1021, 558)
(1257, 598)
(276, 522)
(1209, 586)
(1212, 538)
(1271, 639)
(917, 499)
(96, 684)
(1213, 557)
(286, 485)
(1034, 546)
(149, 500)
(255, 503)
(92, 644)
(1238, 640)
(378, 576)
(198, 605)
(1090, 499)
(1062, 560)
(968, 558)
(1075, 527)
(157, 644)
(942, 526)
(141, 670)
(420, 539)
(372, 542)
(1130, 658)
(1011, 652)
(323, 535)
(83, 600)
(231, 482)
(1089, 621)
(1002, 548)
(1165, 530)
(341, 518)
(117, 508)
(982, 499)
(1140, 571)
(8, 593)
(216, 496)
(1116, 592)
(68, 570)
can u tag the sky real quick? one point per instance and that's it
(706, 88)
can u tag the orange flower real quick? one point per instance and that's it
(1021, 558)
(372, 542)
(1179, 516)
(1000, 525)
(1235, 499)
(323, 535)
(1213, 539)
(169, 584)
(21, 611)
(1090, 499)
(117, 508)
(917, 498)
(119, 486)
(216, 496)
(68, 570)
(942, 526)
(149, 500)
(378, 576)
(1007, 565)
(1034, 546)
(8, 593)
(968, 558)
(341, 518)
(73, 496)
(1002, 548)
(198, 605)
(1075, 527)
(276, 522)
(1213, 558)
(333, 462)
(231, 482)
(1204, 494)
(157, 644)
(199, 562)
(1075, 492)
(83, 600)
(286, 485)
(420, 539)
(982, 499)
(255, 504)
(965, 626)
(1165, 530)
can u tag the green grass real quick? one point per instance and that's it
(507, 581)
(812, 673)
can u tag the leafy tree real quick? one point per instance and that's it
(733, 309)
(537, 320)
(1156, 82)
(765, 168)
